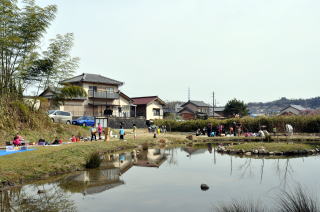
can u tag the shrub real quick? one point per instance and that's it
(93, 161)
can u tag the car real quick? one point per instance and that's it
(60, 116)
(84, 121)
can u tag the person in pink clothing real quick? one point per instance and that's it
(100, 130)
(17, 140)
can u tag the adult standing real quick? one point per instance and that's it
(93, 131)
(209, 129)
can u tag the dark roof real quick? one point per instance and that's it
(93, 78)
(146, 100)
(196, 103)
(187, 109)
(53, 91)
(297, 107)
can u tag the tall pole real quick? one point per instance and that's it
(189, 94)
(213, 104)
(93, 102)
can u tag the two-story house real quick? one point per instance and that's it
(104, 97)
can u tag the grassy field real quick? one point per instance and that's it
(48, 161)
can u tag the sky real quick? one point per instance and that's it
(252, 50)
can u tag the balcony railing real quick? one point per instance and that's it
(102, 95)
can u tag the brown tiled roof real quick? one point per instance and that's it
(146, 100)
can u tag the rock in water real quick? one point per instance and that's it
(204, 187)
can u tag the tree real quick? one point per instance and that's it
(63, 65)
(21, 30)
(67, 92)
(55, 64)
(234, 107)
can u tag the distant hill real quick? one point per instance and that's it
(277, 105)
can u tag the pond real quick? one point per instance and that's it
(166, 180)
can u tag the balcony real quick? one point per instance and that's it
(102, 95)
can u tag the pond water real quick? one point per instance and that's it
(166, 180)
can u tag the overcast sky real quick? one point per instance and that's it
(253, 50)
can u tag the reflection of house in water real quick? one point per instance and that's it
(151, 158)
(193, 151)
(99, 180)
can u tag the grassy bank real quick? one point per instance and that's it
(272, 147)
(47, 161)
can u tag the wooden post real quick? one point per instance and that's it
(107, 134)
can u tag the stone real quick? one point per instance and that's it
(189, 137)
(204, 187)
(262, 151)
(271, 153)
(248, 153)
(41, 191)
(255, 151)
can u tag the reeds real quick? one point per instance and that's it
(297, 200)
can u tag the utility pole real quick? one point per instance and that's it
(189, 94)
(213, 104)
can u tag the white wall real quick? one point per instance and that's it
(150, 107)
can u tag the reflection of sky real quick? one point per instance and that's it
(177, 187)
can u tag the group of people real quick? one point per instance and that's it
(236, 130)
(94, 130)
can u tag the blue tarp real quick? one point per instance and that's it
(4, 152)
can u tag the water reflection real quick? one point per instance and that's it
(108, 176)
(172, 173)
(36, 198)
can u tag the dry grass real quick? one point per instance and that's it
(48, 161)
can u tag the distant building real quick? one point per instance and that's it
(218, 112)
(150, 107)
(103, 97)
(293, 110)
(194, 109)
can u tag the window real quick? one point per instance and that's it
(156, 112)
(93, 88)
(110, 90)
(66, 114)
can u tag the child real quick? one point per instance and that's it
(73, 139)
(134, 129)
(122, 133)
(100, 130)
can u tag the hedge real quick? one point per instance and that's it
(302, 124)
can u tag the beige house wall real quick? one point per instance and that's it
(150, 107)
(125, 106)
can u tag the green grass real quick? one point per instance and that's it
(272, 147)
(49, 161)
